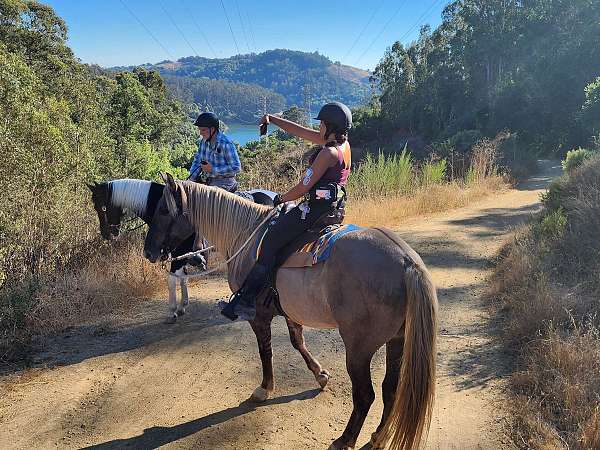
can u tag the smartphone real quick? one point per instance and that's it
(263, 129)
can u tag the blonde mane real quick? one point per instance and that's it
(224, 218)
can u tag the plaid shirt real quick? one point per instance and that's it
(222, 156)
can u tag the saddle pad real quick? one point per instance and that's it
(317, 251)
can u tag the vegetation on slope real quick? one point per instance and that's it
(547, 288)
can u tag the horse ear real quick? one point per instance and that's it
(168, 179)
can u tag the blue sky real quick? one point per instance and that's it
(106, 32)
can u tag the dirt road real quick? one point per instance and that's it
(142, 384)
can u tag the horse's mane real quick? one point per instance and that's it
(216, 212)
(130, 194)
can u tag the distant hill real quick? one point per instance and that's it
(299, 77)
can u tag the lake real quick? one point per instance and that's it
(244, 133)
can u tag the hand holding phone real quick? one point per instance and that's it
(206, 166)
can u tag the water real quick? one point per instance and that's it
(244, 133)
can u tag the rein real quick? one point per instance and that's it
(208, 272)
(132, 219)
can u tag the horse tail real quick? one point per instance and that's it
(408, 423)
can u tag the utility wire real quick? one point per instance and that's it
(199, 29)
(364, 29)
(419, 20)
(251, 31)
(393, 16)
(177, 28)
(230, 29)
(148, 30)
(237, 6)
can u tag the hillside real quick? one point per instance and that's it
(299, 77)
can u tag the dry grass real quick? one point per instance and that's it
(392, 210)
(115, 275)
(111, 281)
(546, 289)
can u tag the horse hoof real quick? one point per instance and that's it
(259, 395)
(171, 319)
(337, 445)
(180, 312)
(323, 379)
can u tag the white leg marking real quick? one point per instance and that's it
(185, 300)
(172, 283)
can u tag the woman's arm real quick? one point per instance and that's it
(325, 159)
(293, 128)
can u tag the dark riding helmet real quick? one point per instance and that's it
(337, 115)
(207, 120)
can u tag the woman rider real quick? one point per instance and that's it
(329, 171)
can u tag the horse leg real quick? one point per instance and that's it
(172, 283)
(358, 363)
(185, 299)
(261, 325)
(393, 362)
(297, 338)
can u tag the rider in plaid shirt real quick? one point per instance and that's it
(217, 155)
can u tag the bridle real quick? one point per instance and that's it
(117, 227)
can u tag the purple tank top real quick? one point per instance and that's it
(338, 173)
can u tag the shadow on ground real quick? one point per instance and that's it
(156, 437)
(77, 344)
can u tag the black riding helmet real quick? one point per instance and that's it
(337, 115)
(208, 120)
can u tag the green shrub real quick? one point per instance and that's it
(470, 176)
(552, 226)
(383, 176)
(575, 158)
(433, 172)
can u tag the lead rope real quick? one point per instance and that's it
(208, 272)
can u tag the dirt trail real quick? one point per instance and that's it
(143, 384)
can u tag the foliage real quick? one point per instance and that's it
(65, 124)
(575, 158)
(494, 65)
(590, 111)
(232, 102)
(547, 286)
(383, 176)
(297, 76)
(433, 172)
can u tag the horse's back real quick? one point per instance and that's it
(362, 277)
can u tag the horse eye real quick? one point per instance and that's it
(104, 209)
(164, 210)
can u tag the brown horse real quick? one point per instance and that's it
(373, 287)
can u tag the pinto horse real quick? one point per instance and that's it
(140, 197)
(373, 287)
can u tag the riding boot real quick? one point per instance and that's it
(242, 303)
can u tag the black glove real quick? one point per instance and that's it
(277, 200)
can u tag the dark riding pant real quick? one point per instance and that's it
(288, 227)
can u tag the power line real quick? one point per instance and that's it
(251, 31)
(381, 32)
(178, 29)
(418, 22)
(148, 30)
(199, 29)
(237, 6)
(230, 29)
(364, 29)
